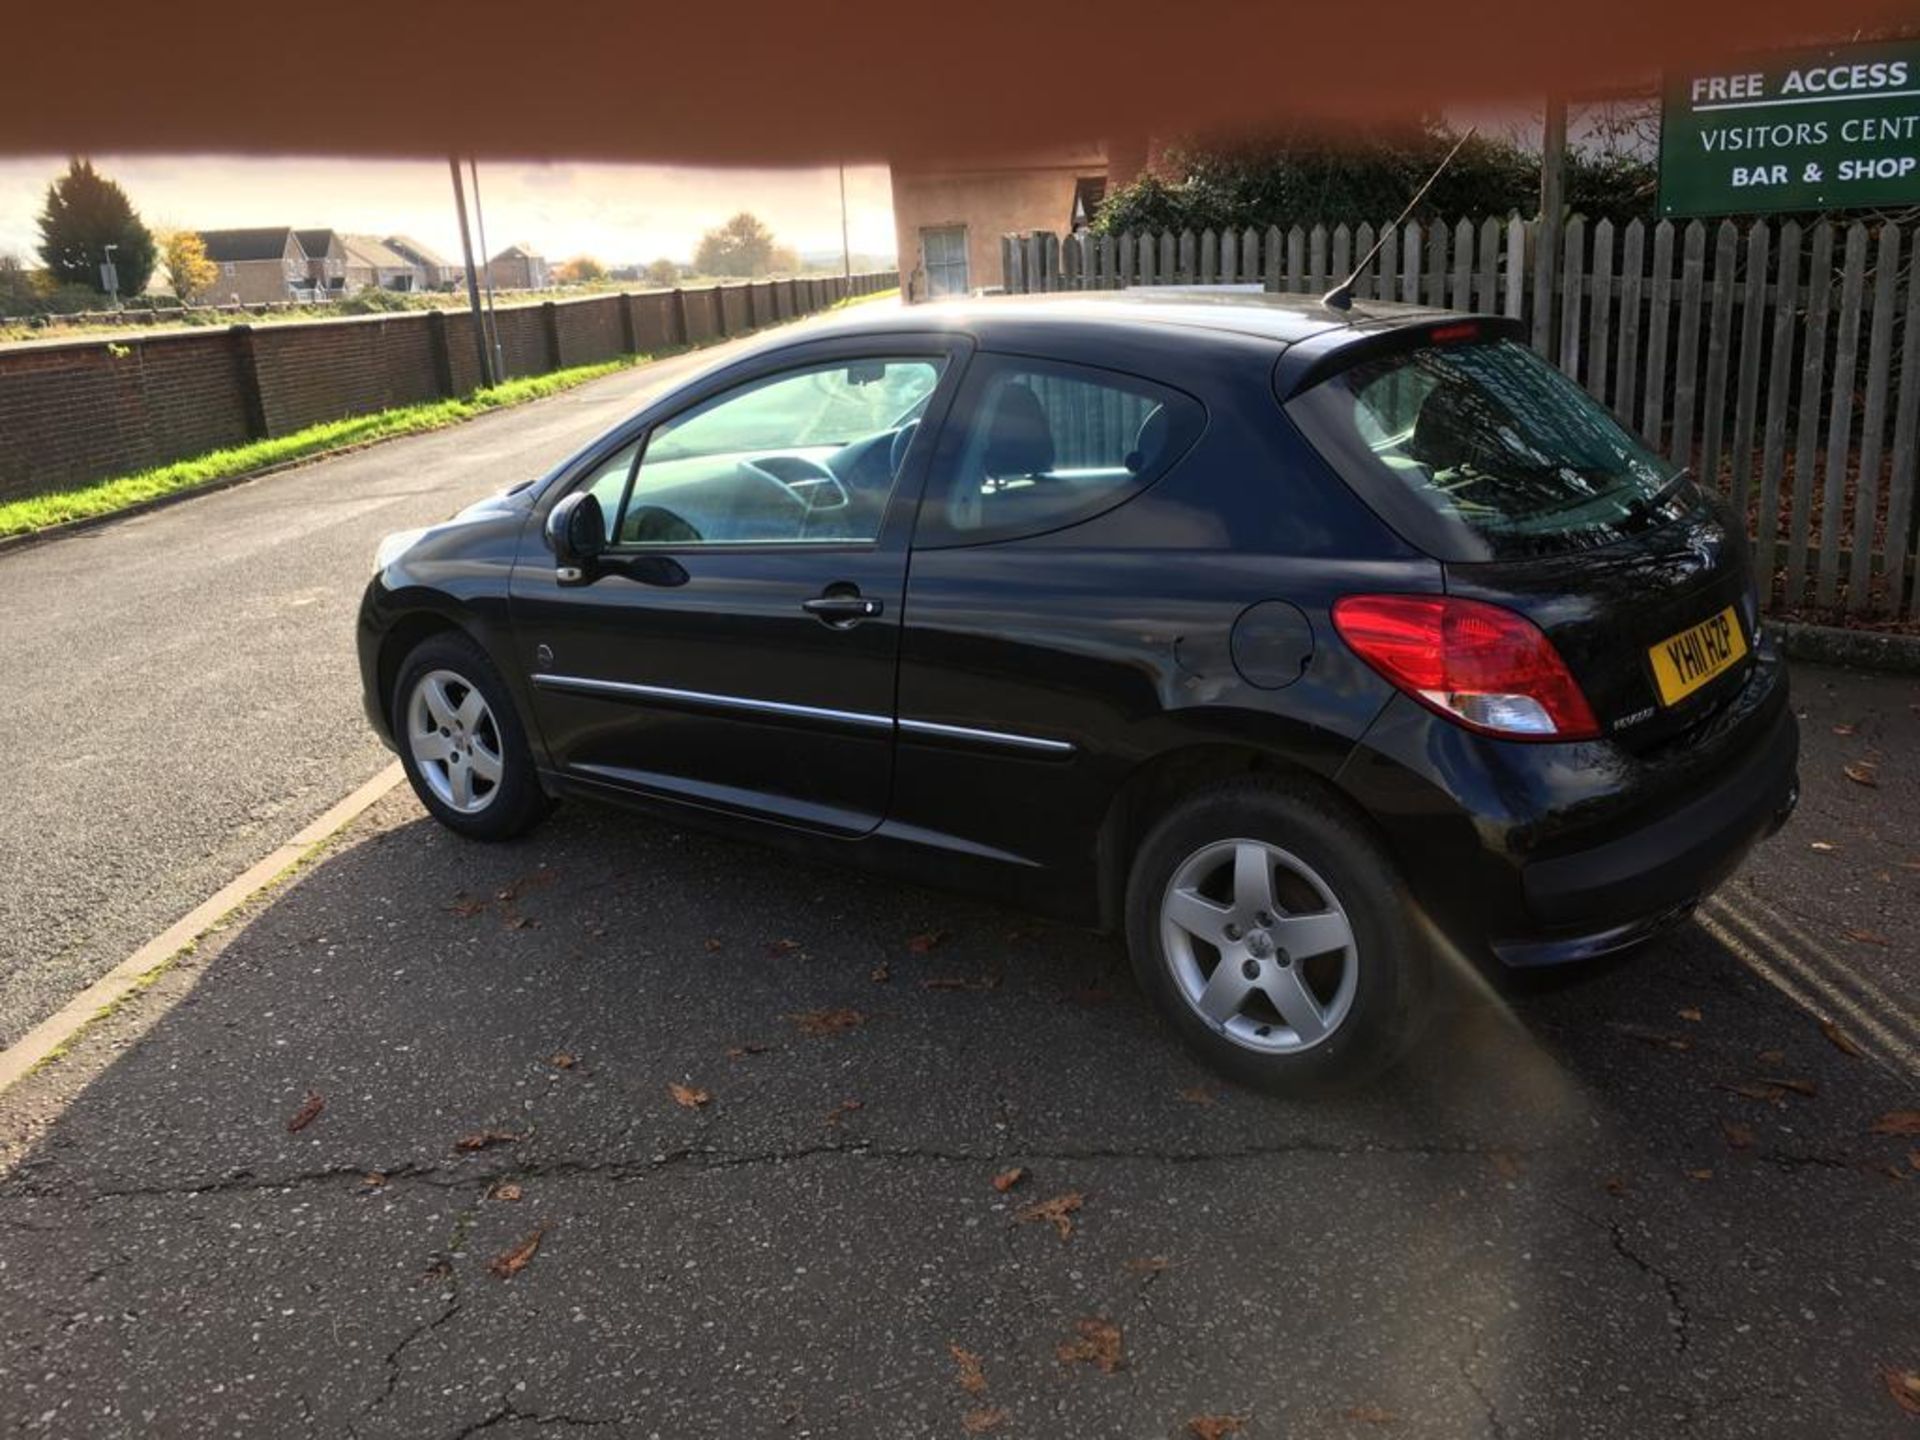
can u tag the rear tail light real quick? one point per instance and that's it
(1488, 668)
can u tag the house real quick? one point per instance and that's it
(517, 268)
(949, 217)
(257, 267)
(326, 262)
(436, 273)
(373, 265)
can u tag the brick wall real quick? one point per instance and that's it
(73, 412)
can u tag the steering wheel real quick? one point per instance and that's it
(809, 482)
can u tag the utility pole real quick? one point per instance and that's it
(473, 281)
(1547, 234)
(480, 222)
(846, 251)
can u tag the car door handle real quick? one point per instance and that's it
(842, 609)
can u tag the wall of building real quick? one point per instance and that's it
(1030, 194)
(73, 412)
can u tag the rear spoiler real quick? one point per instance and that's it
(1306, 363)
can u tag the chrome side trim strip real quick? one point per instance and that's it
(927, 729)
(621, 688)
(986, 737)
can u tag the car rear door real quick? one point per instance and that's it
(736, 648)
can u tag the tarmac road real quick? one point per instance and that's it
(181, 690)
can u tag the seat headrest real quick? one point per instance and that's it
(1019, 439)
(1150, 441)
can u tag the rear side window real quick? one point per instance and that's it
(1485, 451)
(1035, 446)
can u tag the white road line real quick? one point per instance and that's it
(57, 1029)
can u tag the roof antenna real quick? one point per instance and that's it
(1340, 297)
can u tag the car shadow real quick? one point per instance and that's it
(829, 1070)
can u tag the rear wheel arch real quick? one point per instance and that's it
(1166, 780)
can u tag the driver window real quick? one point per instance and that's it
(807, 455)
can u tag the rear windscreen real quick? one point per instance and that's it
(1485, 451)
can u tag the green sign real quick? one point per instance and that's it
(1831, 129)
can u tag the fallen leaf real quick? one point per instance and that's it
(1862, 772)
(973, 1377)
(1897, 1122)
(1843, 729)
(521, 922)
(1691, 1013)
(980, 1421)
(1507, 1166)
(827, 1022)
(509, 1263)
(1197, 1095)
(308, 1112)
(1739, 1137)
(1771, 1057)
(1647, 1035)
(687, 1096)
(880, 974)
(920, 944)
(507, 1190)
(746, 1048)
(1615, 1185)
(777, 948)
(1904, 1387)
(1149, 1264)
(466, 907)
(1057, 1212)
(1099, 1344)
(563, 1061)
(961, 982)
(1699, 1174)
(1866, 937)
(1841, 1040)
(484, 1139)
(1372, 1415)
(1824, 847)
(1913, 1159)
(1799, 1087)
(372, 1180)
(1215, 1427)
(713, 944)
(1007, 1179)
(844, 1109)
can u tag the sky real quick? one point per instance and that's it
(617, 213)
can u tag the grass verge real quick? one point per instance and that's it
(105, 497)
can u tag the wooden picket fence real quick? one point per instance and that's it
(1781, 362)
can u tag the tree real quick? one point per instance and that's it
(581, 270)
(742, 246)
(1305, 179)
(86, 212)
(189, 271)
(664, 273)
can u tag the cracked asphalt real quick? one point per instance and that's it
(1649, 1200)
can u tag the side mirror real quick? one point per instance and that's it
(577, 534)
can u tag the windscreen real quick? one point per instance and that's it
(1484, 451)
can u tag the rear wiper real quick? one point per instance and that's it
(1640, 507)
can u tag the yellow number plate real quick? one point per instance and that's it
(1683, 663)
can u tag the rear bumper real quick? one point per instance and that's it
(1548, 854)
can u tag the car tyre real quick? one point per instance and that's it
(1312, 983)
(462, 743)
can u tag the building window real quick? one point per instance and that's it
(945, 254)
(1088, 193)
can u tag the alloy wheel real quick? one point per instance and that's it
(1259, 946)
(455, 741)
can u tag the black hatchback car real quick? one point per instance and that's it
(1299, 645)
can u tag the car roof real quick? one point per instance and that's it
(1284, 319)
